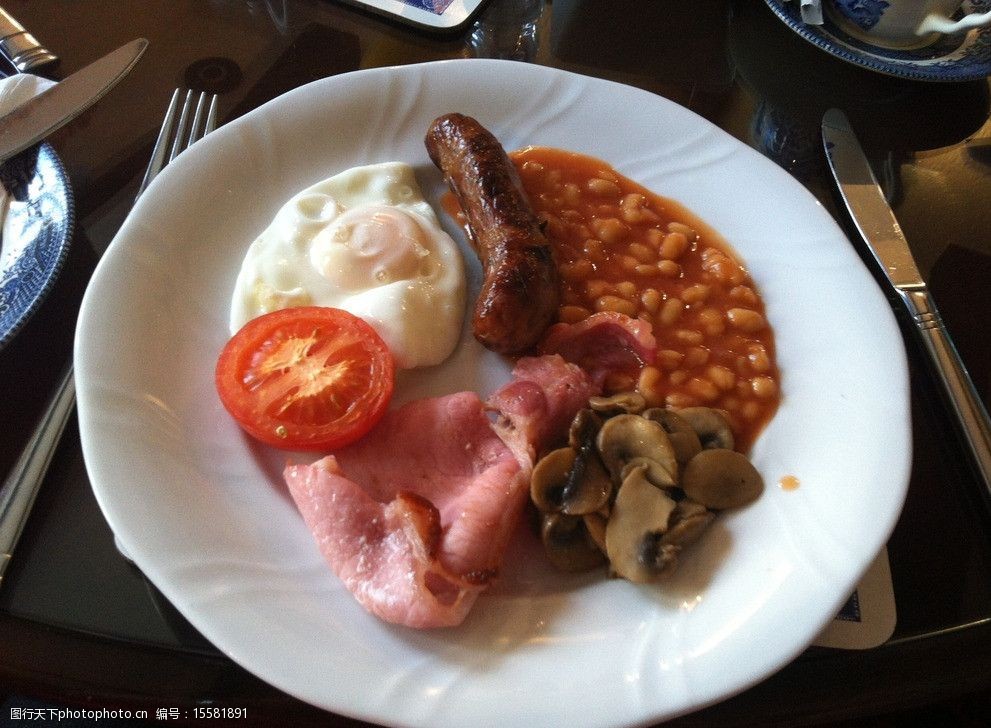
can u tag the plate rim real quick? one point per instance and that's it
(914, 70)
(51, 272)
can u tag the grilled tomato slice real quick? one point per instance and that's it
(306, 378)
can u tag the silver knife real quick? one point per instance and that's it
(877, 225)
(22, 48)
(33, 120)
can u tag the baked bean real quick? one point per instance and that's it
(680, 400)
(631, 214)
(598, 288)
(669, 359)
(678, 227)
(696, 356)
(646, 269)
(571, 194)
(722, 268)
(628, 290)
(643, 253)
(671, 311)
(617, 382)
(609, 229)
(711, 320)
(651, 300)
(633, 200)
(654, 236)
(759, 361)
(696, 293)
(572, 314)
(703, 389)
(679, 376)
(532, 167)
(629, 263)
(722, 377)
(688, 336)
(578, 271)
(746, 320)
(604, 187)
(650, 385)
(764, 387)
(744, 294)
(669, 269)
(673, 246)
(594, 249)
(616, 304)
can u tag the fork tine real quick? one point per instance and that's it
(161, 144)
(195, 129)
(204, 121)
(181, 128)
(211, 116)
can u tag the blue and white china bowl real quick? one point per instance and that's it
(964, 57)
(37, 231)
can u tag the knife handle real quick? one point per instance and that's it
(22, 48)
(966, 403)
(19, 490)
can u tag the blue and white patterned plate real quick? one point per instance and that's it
(957, 58)
(36, 233)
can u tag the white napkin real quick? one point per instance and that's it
(811, 11)
(14, 91)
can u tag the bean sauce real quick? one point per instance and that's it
(620, 247)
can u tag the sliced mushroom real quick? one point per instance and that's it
(584, 428)
(624, 402)
(720, 478)
(634, 533)
(568, 544)
(688, 523)
(683, 438)
(631, 438)
(710, 425)
(657, 473)
(595, 524)
(566, 481)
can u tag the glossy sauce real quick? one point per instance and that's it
(620, 247)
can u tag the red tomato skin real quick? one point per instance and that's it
(241, 351)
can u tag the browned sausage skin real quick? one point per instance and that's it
(519, 297)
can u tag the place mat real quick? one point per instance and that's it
(868, 618)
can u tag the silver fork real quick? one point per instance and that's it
(19, 490)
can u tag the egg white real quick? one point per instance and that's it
(365, 241)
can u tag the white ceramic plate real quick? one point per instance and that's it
(205, 515)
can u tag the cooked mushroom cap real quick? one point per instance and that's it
(565, 481)
(683, 438)
(688, 523)
(568, 544)
(710, 425)
(595, 524)
(720, 478)
(626, 438)
(584, 427)
(639, 518)
(629, 402)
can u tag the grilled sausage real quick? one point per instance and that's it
(520, 293)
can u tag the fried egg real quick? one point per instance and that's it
(365, 241)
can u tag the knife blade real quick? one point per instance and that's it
(880, 230)
(35, 119)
